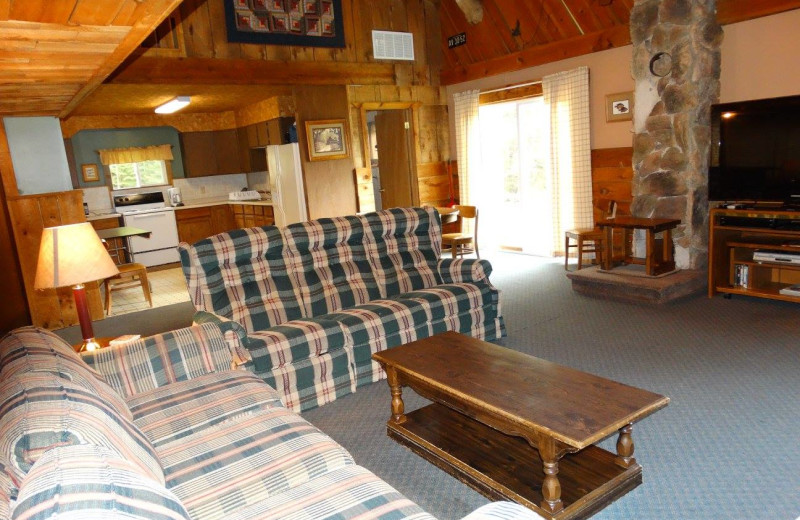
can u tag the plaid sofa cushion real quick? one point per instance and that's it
(235, 464)
(331, 264)
(315, 381)
(182, 409)
(351, 492)
(8, 490)
(148, 363)
(243, 275)
(294, 341)
(43, 411)
(403, 245)
(86, 482)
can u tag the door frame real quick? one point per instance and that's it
(412, 150)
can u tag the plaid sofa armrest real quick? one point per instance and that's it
(155, 361)
(234, 333)
(464, 270)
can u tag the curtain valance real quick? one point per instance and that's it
(162, 152)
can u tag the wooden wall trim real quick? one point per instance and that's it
(7, 174)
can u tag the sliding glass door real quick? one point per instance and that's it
(515, 190)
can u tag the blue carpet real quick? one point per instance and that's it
(725, 448)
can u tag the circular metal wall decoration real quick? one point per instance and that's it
(661, 64)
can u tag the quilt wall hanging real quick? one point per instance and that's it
(311, 23)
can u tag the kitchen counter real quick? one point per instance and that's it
(217, 201)
(100, 216)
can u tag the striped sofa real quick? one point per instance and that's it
(307, 305)
(163, 429)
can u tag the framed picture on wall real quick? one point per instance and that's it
(619, 107)
(327, 139)
(90, 172)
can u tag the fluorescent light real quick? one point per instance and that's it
(174, 105)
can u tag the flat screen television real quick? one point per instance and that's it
(755, 151)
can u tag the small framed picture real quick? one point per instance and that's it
(327, 139)
(619, 107)
(90, 172)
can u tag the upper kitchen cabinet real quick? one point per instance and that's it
(211, 153)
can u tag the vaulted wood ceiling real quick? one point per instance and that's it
(55, 53)
(515, 34)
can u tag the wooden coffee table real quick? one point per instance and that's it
(517, 427)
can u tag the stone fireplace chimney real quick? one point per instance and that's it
(676, 68)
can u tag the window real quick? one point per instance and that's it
(138, 174)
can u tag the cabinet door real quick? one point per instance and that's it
(244, 149)
(194, 224)
(238, 215)
(269, 216)
(222, 218)
(198, 154)
(226, 147)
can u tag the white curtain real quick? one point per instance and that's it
(468, 147)
(567, 96)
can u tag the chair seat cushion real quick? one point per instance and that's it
(246, 460)
(181, 409)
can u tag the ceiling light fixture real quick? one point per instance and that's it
(174, 105)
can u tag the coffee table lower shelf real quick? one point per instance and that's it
(505, 467)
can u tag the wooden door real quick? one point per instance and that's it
(394, 164)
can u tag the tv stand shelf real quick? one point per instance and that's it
(731, 249)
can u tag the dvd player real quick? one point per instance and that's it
(781, 257)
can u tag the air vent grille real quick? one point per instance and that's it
(388, 45)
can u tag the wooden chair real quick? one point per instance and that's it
(130, 275)
(461, 242)
(589, 240)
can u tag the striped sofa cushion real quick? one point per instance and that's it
(330, 263)
(351, 492)
(239, 463)
(403, 246)
(24, 341)
(8, 490)
(294, 341)
(181, 409)
(148, 363)
(86, 482)
(42, 411)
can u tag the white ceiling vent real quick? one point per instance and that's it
(388, 45)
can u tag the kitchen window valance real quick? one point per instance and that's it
(162, 152)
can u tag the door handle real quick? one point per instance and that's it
(150, 215)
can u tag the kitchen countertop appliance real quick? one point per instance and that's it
(174, 197)
(149, 211)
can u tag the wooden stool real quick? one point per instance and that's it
(130, 275)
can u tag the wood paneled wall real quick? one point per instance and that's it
(612, 175)
(30, 214)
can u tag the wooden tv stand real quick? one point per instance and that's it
(735, 234)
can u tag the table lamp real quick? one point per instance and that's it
(72, 255)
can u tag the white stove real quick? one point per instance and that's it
(149, 211)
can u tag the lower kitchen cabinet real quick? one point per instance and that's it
(195, 224)
(252, 215)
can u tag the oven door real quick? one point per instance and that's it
(162, 246)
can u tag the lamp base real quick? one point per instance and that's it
(90, 345)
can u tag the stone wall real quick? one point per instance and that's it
(671, 116)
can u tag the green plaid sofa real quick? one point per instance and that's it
(163, 429)
(306, 306)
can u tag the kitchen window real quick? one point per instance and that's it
(138, 174)
(138, 167)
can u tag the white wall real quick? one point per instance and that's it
(38, 154)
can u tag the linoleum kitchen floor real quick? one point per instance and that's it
(167, 287)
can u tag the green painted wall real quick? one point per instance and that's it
(86, 143)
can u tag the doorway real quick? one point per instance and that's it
(390, 156)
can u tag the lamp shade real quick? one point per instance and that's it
(71, 255)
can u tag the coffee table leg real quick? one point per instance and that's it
(625, 447)
(398, 407)
(551, 487)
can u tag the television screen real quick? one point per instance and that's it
(755, 151)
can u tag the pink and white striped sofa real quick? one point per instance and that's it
(163, 428)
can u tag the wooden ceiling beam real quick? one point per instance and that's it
(156, 12)
(211, 71)
(608, 39)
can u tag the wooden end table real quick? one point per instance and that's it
(656, 261)
(515, 427)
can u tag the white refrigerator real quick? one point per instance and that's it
(286, 184)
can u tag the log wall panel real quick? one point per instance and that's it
(612, 176)
(30, 214)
